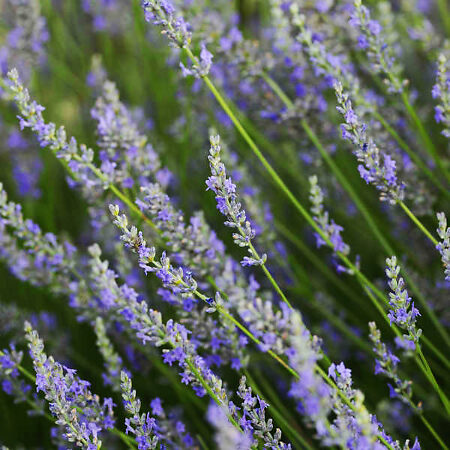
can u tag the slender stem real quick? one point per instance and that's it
(433, 432)
(424, 135)
(249, 334)
(276, 286)
(211, 393)
(279, 182)
(445, 15)
(353, 194)
(436, 351)
(433, 381)
(417, 222)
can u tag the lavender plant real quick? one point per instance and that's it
(115, 253)
(229, 206)
(444, 246)
(441, 93)
(76, 409)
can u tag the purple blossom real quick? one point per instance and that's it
(377, 168)
(67, 395)
(444, 246)
(403, 312)
(229, 206)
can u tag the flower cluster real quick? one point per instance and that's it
(176, 279)
(377, 168)
(71, 402)
(80, 159)
(108, 15)
(444, 246)
(12, 384)
(163, 14)
(141, 425)
(228, 204)
(226, 436)
(254, 418)
(353, 423)
(441, 92)
(330, 229)
(24, 46)
(195, 245)
(333, 67)
(403, 312)
(149, 327)
(311, 391)
(47, 253)
(386, 364)
(112, 361)
(184, 336)
(379, 52)
(169, 428)
(125, 154)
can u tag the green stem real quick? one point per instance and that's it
(424, 135)
(445, 15)
(436, 351)
(250, 335)
(211, 393)
(433, 432)
(418, 223)
(354, 196)
(279, 182)
(276, 286)
(429, 374)
(201, 442)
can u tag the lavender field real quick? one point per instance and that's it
(223, 224)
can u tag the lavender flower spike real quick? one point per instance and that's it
(331, 230)
(67, 394)
(378, 51)
(162, 13)
(386, 364)
(377, 168)
(141, 425)
(24, 43)
(79, 158)
(441, 92)
(112, 361)
(254, 418)
(176, 279)
(229, 206)
(403, 312)
(226, 436)
(444, 246)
